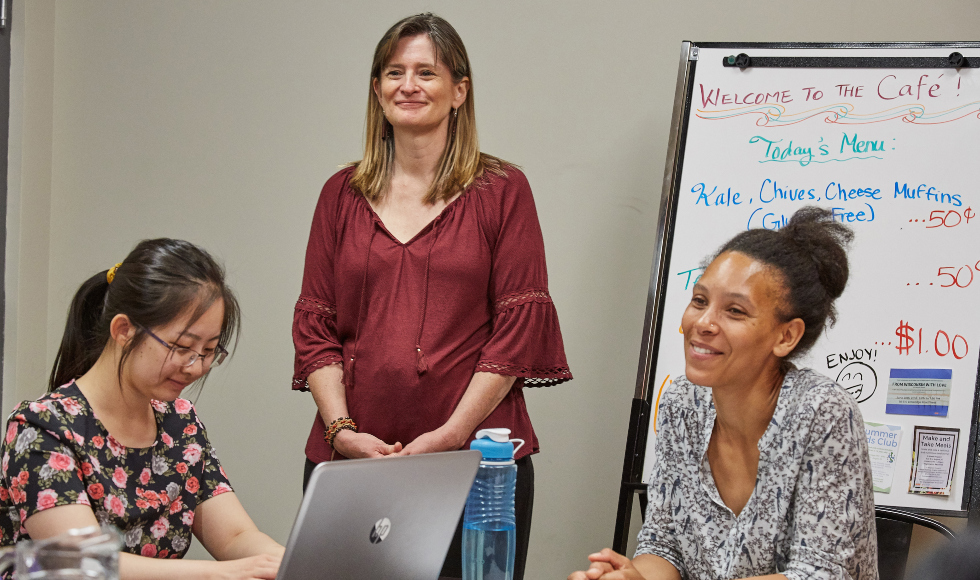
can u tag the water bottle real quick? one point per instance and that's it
(489, 523)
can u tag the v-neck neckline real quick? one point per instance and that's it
(421, 233)
(764, 444)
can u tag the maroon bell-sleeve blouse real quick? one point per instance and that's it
(412, 322)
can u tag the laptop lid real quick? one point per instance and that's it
(373, 519)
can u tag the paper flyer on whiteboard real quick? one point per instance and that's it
(919, 392)
(933, 460)
(883, 444)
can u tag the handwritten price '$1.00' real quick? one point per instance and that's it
(942, 346)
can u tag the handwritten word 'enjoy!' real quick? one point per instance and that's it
(836, 359)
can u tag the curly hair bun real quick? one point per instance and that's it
(824, 240)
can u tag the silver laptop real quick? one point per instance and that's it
(379, 519)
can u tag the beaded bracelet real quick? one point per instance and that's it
(337, 426)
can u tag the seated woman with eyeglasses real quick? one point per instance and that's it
(113, 443)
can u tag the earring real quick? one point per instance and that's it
(455, 122)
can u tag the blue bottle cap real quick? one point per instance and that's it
(493, 450)
(496, 444)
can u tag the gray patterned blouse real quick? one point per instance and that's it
(811, 514)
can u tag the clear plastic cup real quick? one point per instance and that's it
(81, 554)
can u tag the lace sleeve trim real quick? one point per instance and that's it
(533, 376)
(299, 379)
(319, 307)
(514, 299)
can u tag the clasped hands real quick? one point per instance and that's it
(360, 445)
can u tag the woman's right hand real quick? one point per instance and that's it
(360, 445)
(261, 567)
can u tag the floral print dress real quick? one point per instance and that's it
(56, 452)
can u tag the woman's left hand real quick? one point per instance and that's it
(431, 442)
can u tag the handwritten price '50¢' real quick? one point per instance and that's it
(949, 218)
(943, 344)
(959, 280)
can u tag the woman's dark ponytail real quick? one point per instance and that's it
(80, 345)
(159, 281)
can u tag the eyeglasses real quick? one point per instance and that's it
(186, 357)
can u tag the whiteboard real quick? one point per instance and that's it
(895, 152)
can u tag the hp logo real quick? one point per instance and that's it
(380, 530)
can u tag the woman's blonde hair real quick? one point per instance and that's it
(461, 161)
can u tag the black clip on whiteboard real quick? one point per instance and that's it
(954, 60)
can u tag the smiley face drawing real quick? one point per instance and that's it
(859, 379)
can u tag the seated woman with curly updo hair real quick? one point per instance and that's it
(762, 468)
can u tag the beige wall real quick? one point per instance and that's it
(218, 121)
(28, 202)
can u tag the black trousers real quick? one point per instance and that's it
(523, 507)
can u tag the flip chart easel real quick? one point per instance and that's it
(887, 135)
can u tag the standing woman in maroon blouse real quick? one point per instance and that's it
(425, 307)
